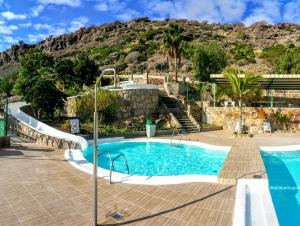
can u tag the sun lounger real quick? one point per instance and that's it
(267, 127)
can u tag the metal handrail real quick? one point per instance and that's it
(173, 136)
(182, 134)
(110, 165)
(120, 155)
(112, 160)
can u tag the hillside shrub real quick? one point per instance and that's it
(289, 62)
(208, 59)
(107, 106)
(102, 54)
(272, 53)
(243, 52)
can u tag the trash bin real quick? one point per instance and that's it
(150, 128)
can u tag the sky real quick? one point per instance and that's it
(34, 20)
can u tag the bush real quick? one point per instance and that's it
(7, 82)
(150, 34)
(241, 35)
(243, 52)
(132, 58)
(102, 54)
(208, 59)
(272, 53)
(107, 106)
(289, 62)
(162, 67)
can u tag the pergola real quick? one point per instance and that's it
(269, 82)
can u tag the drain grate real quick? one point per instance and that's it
(116, 216)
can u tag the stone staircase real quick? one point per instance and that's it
(175, 107)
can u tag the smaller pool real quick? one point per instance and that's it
(283, 169)
(154, 158)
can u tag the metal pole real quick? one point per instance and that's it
(187, 91)
(214, 91)
(95, 160)
(95, 154)
(6, 117)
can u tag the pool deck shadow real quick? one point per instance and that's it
(36, 190)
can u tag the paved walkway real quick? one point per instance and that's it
(38, 187)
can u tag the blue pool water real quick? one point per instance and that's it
(160, 159)
(283, 169)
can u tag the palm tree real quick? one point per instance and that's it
(240, 87)
(172, 44)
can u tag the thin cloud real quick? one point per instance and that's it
(102, 7)
(35, 11)
(12, 16)
(72, 3)
(78, 23)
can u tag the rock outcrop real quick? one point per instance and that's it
(259, 35)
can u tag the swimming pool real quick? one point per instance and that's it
(154, 161)
(160, 159)
(283, 170)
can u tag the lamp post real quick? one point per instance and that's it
(95, 154)
(187, 79)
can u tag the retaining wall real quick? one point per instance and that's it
(133, 102)
(28, 127)
(228, 116)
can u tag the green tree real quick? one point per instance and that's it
(36, 83)
(65, 75)
(7, 83)
(172, 45)
(86, 69)
(208, 59)
(241, 87)
(47, 98)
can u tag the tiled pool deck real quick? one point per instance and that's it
(38, 187)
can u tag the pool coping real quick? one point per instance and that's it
(76, 159)
(261, 212)
(280, 148)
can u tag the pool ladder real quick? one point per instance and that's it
(181, 133)
(112, 160)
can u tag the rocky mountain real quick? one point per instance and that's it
(118, 43)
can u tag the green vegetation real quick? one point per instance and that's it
(45, 81)
(108, 54)
(107, 106)
(7, 82)
(85, 69)
(240, 88)
(289, 62)
(150, 34)
(272, 53)
(172, 45)
(282, 120)
(243, 53)
(36, 83)
(208, 59)
(241, 35)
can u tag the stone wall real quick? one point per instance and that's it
(228, 116)
(132, 102)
